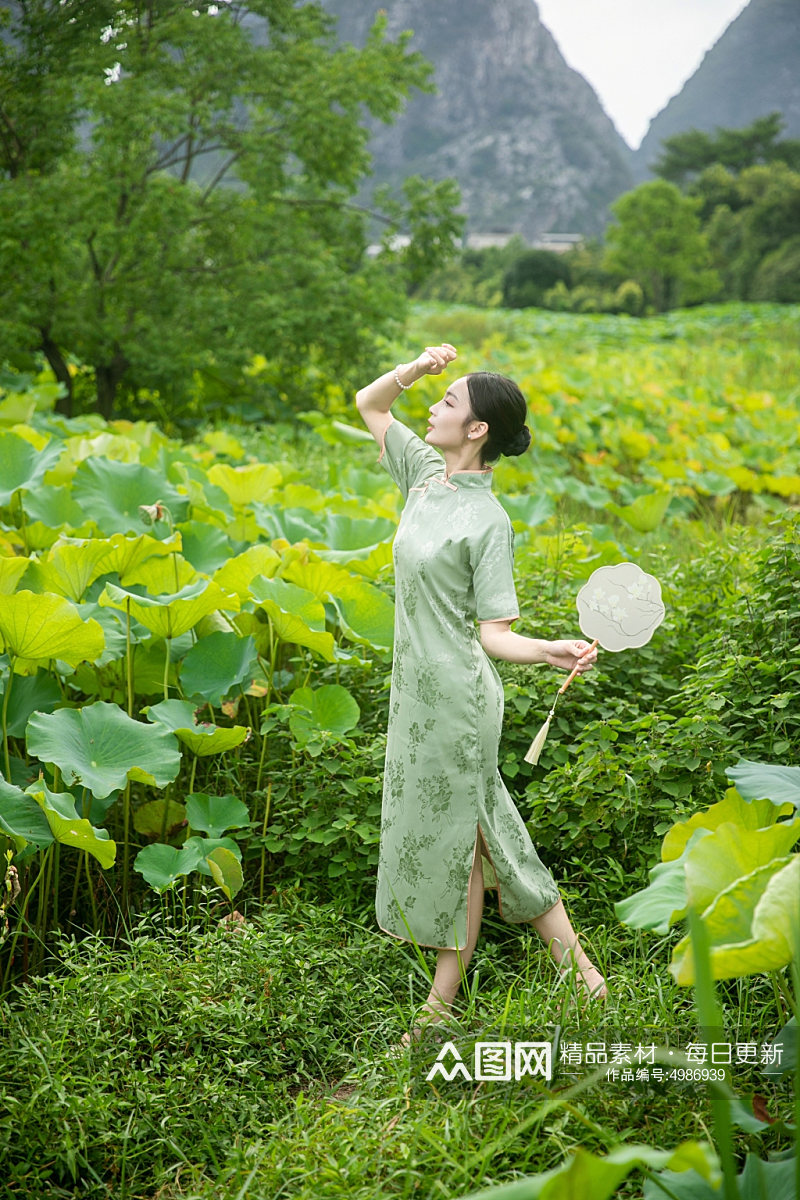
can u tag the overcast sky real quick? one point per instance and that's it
(636, 53)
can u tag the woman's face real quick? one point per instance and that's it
(451, 419)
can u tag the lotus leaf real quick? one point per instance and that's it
(664, 900)
(162, 576)
(215, 814)
(585, 1174)
(195, 851)
(111, 493)
(71, 565)
(246, 484)
(296, 615)
(22, 465)
(29, 694)
(55, 508)
(70, 829)
(202, 739)
(748, 815)
(39, 628)
(126, 554)
(159, 815)
(238, 573)
(757, 781)
(328, 709)
(217, 664)
(102, 748)
(367, 616)
(11, 571)
(226, 871)
(291, 524)
(735, 946)
(160, 865)
(725, 856)
(22, 818)
(645, 513)
(205, 547)
(170, 615)
(322, 579)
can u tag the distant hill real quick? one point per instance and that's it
(525, 135)
(753, 70)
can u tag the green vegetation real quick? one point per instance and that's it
(177, 190)
(193, 690)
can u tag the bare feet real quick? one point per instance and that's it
(432, 1014)
(586, 977)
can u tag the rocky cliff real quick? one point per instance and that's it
(524, 135)
(753, 70)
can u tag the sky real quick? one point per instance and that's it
(636, 54)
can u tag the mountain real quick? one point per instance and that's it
(753, 70)
(525, 135)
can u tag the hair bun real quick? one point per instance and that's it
(518, 444)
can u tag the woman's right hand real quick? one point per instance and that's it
(435, 359)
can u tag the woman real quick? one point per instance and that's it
(446, 811)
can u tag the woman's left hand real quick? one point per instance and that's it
(570, 655)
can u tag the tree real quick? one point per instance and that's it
(532, 274)
(687, 155)
(176, 191)
(761, 220)
(657, 242)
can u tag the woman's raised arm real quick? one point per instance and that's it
(375, 400)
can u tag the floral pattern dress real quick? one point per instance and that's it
(453, 558)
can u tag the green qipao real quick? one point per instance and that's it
(453, 558)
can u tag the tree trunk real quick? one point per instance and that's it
(61, 371)
(108, 377)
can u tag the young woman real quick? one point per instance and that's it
(447, 816)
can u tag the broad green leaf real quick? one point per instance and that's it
(246, 484)
(734, 947)
(102, 748)
(11, 571)
(70, 829)
(21, 817)
(111, 493)
(70, 566)
(322, 579)
(664, 900)
(126, 554)
(378, 561)
(328, 709)
(205, 547)
(777, 915)
(157, 815)
(22, 466)
(533, 509)
(39, 628)
(238, 573)
(726, 855)
(597, 1177)
(732, 808)
(195, 851)
(162, 576)
(367, 616)
(226, 871)
(345, 533)
(292, 524)
(56, 508)
(29, 694)
(646, 512)
(202, 739)
(775, 1180)
(296, 615)
(215, 814)
(170, 615)
(218, 664)
(756, 781)
(160, 865)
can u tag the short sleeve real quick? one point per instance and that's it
(492, 560)
(407, 458)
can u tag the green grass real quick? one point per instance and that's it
(220, 1063)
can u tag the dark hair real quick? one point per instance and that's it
(498, 401)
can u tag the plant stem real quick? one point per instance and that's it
(166, 670)
(6, 756)
(126, 838)
(128, 656)
(267, 807)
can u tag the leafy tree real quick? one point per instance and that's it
(531, 275)
(762, 219)
(658, 242)
(689, 154)
(176, 192)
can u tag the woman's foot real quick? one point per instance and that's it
(587, 978)
(432, 1015)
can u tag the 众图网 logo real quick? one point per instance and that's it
(495, 1061)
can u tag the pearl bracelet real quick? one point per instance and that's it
(403, 386)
